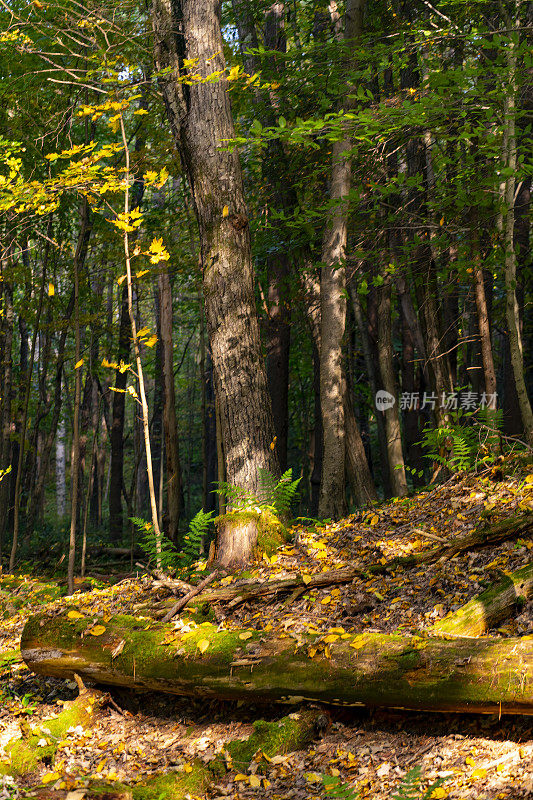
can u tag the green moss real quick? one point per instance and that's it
(9, 657)
(174, 785)
(25, 754)
(271, 533)
(274, 738)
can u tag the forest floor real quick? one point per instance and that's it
(136, 735)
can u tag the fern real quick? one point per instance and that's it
(409, 789)
(465, 442)
(334, 787)
(162, 553)
(193, 539)
(277, 494)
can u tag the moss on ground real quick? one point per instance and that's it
(26, 754)
(292, 732)
(9, 657)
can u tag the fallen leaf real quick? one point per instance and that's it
(98, 630)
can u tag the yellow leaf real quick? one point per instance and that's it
(50, 776)
(121, 280)
(143, 332)
(331, 638)
(98, 630)
(51, 290)
(246, 635)
(326, 600)
(358, 642)
(479, 774)
(140, 112)
(439, 792)
(255, 782)
(74, 615)
(374, 520)
(470, 761)
(203, 644)
(78, 364)
(240, 777)
(313, 777)
(187, 767)
(234, 72)
(306, 578)
(311, 651)
(273, 443)
(500, 767)
(225, 211)
(151, 341)
(529, 479)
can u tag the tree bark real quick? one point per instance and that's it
(406, 671)
(392, 411)
(170, 422)
(333, 309)
(509, 163)
(200, 119)
(355, 457)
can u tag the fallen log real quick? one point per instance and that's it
(246, 591)
(373, 669)
(488, 608)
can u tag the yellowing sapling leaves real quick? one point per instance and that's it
(157, 251)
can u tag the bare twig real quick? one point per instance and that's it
(184, 600)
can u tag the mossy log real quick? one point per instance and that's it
(406, 671)
(488, 608)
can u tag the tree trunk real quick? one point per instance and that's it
(406, 671)
(117, 425)
(509, 164)
(391, 410)
(79, 259)
(333, 309)
(209, 437)
(170, 422)
(7, 380)
(355, 457)
(200, 119)
(61, 471)
(26, 402)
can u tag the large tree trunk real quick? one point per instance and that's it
(333, 309)
(200, 119)
(406, 671)
(355, 457)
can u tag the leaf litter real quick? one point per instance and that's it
(138, 735)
